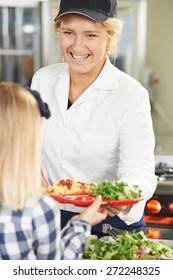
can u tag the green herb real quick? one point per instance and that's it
(128, 246)
(116, 190)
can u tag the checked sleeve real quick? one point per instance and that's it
(46, 226)
(73, 239)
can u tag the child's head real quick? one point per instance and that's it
(20, 122)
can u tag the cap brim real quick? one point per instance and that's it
(94, 15)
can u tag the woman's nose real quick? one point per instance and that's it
(78, 42)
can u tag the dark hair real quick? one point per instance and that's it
(44, 109)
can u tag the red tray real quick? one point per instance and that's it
(84, 200)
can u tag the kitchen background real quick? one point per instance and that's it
(28, 42)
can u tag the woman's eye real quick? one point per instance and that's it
(91, 35)
(67, 32)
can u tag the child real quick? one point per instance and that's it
(29, 220)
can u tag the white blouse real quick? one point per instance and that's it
(106, 134)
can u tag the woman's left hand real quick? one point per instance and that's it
(113, 211)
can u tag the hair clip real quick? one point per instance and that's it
(44, 109)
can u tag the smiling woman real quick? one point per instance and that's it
(86, 35)
(101, 127)
(84, 48)
(83, 43)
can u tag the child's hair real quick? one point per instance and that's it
(20, 123)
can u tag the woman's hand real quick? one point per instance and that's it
(113, 211)
(93, 214)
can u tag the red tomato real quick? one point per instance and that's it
(67, 183)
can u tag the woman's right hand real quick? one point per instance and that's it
(94, 213)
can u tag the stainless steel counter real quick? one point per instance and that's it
(160, 220)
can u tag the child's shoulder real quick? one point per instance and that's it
(45, 206)
(45, 201)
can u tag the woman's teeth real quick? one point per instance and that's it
(80, 57)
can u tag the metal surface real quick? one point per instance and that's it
(113, 232)
(161, 232)
(160, 224)
(19, 41)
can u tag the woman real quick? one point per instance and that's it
(101, 125)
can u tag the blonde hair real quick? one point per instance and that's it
(113, 27)
(20, 122)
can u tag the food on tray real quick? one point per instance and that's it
(128, 246)
(69, 187)
(116, 190)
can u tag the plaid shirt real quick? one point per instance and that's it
(34, 233)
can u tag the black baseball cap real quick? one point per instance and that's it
(98, 10)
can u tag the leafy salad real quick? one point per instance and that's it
(116, 190)
(128, 246)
